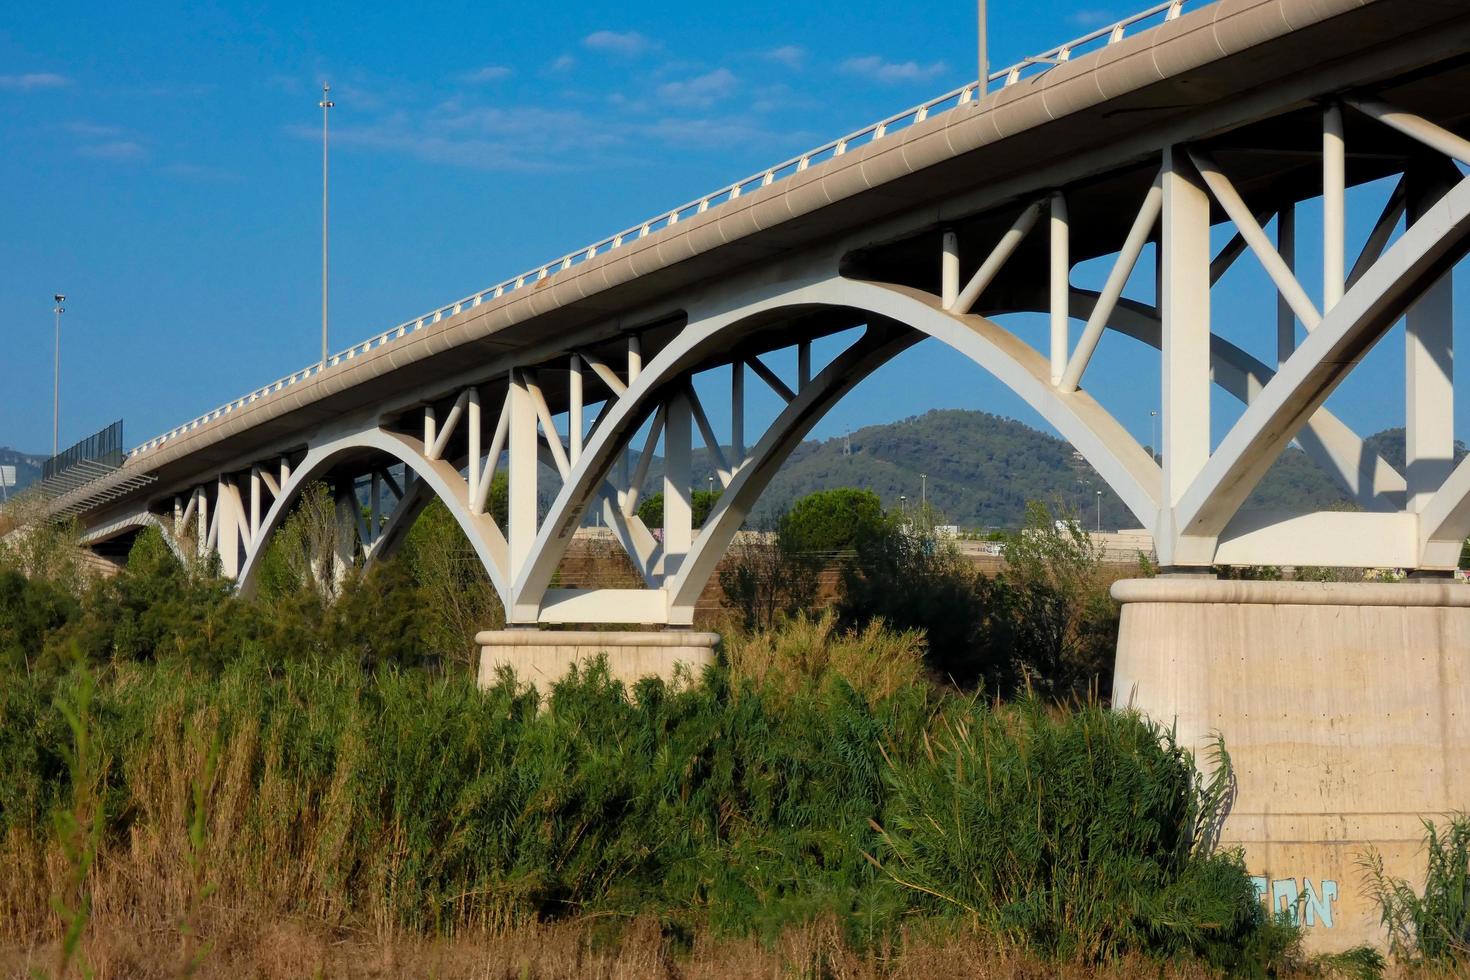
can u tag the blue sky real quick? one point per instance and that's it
(162, 168)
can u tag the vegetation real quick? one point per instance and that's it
(1430, 928)
(176, 761)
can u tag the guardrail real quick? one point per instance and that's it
(1027, 67)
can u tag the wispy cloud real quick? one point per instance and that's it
(790, 55)
(91, 130)
(1091, 17)
(489, 73)
(563, 63)
(115, 150)
(892, 72)
(33, 80)
(701, 91)
(627, 43)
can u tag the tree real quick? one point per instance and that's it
(651, 511)
(831, 522)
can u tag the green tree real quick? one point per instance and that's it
(831, 522)
(651, 510)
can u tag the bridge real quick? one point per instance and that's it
(1242, 123)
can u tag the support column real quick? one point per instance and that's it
(344, 540)
(1334, 207)
(678, 506)
(949, 270)
(201, 523)
(1285, 316)
(1061, 269)
(227, 535)
(1185, 311)
(1429, 366)
(803, 365)
(254, 531)
(472, 472)
(522, 474)
(737, 411)
(574, 411)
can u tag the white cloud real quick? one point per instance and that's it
(702, 91)
(892, 72)
(33, 80)
(114, 150)
(628, 43)
(790, 55)
(1091, 17)
(490, 73)
(563, 63)
(90, 129)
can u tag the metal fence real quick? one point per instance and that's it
(104, 447)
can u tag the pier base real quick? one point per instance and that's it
(1346, 712)
(543, 657)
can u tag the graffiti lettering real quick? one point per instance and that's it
(1306, 904)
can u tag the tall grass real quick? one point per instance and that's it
(402, 803)
(1431, 927)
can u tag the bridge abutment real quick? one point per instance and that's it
(543, 657)
(1345, 708)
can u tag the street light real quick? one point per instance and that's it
(326, 103)
(903, 504)
(923, 493)
(1153, 437)
(984, 56)
(56, 378)
(1099, 512)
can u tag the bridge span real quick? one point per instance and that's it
(939, 222)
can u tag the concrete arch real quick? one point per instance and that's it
(438, 477)
(1115, 454)
(134, 522)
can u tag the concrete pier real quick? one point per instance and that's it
(1346, 712)
(542, 657)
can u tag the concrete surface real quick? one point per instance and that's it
(1346, 712)
(543, 657)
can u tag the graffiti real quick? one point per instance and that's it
(1305, 905)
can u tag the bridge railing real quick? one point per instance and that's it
(1027, 67)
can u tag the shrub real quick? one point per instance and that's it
(1432, 928)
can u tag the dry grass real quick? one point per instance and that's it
(877, 661)
(127, 948)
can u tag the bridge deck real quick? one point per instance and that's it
(1227, 64)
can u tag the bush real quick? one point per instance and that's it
(1432, 928)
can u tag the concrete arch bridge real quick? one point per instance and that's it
(1205, 135)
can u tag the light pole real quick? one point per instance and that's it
(56, 378)
(1153, 434)
(923, 494)
(326, 103)
(1099, 512)
(984, 56)
(903, 505)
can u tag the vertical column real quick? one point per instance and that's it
(1061, 268)
(375, 503)
(949, 270)
(522, 473)
(201, 522)
(1334, 207)
(254, 532)
(635, 367)
(1185, 310)
(1429, 382)
(473, 472)
(1285, 316)
(803, 365)
(678, 506)
(574, 411)
(737, 411)
(227, 516)
(178, 515)
(344, 550)
(430, 429)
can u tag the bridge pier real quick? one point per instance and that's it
(543, 657)
(1345, 708)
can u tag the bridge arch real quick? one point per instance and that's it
(897, 317)
(433, 479)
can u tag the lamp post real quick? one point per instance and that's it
(923, 494)
(56, 378)
(981, 47)
(326, 103)
(1153, 435)
(1099, 512)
